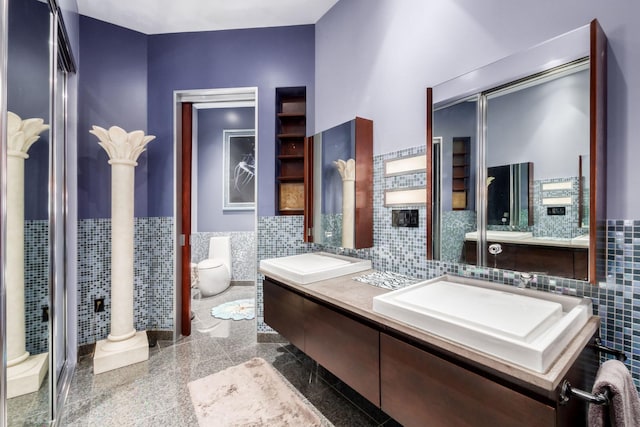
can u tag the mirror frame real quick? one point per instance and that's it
(587, 41)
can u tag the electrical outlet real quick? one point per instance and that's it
(98, 305)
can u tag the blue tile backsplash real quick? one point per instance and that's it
(153, 276)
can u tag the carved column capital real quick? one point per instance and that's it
(122, 147)
(347, 169)
(21, 134)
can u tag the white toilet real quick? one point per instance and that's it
(214, 273)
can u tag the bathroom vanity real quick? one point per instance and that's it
(417, 377)
(549, 257)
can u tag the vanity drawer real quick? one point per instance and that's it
(283, 311)
(345, 347)
(418, 388)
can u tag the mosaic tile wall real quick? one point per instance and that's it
(616, 301)
(277, 236)
(455, 224)
(243, 252)
(36, 286)
(153, 276)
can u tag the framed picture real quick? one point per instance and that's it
(239, 167)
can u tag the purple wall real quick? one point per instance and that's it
(264, 57)
(211, 124)
(409, 45)
(112, 90)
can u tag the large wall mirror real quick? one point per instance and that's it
(33, 336)
(339, 186)
(28, 229)
(519, 173)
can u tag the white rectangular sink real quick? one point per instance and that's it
(522, 326)
(313, 267)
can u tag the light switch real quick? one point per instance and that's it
(404, 217)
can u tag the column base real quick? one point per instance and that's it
(110, 355)
(26, 376)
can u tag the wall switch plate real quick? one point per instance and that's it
(556, 210)
(404, 217)
(98, 305)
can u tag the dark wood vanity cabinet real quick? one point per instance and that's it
(283, 311)
(562, 261)
(420, 389)
(412, 382)
(345, 347)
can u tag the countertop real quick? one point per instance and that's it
(357, 298)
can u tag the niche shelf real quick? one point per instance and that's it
(460, 173)
(291, 127)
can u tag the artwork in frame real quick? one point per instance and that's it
(239, 169)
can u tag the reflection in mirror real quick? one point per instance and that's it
(339, 186)
(332, 210)
(27, 213)
(509, 199)
(544, 121)
(453, 165)
(547, 106)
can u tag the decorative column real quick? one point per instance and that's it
(24, 372)
(124, 345)
(347, 171)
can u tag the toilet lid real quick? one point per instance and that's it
(209, 263)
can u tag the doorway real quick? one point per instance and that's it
(227, 198)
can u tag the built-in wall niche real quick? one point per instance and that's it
(291, 125)
(460, 165)
(543, 106)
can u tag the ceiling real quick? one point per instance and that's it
(175, 16)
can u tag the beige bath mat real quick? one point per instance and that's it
(250, 394)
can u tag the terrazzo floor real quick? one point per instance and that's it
(154, 392)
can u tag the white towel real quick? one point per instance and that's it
(624, 404)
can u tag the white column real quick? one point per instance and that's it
(347, 171)
(122, 179)
(16, 338)
(124, 345)
(24, 372)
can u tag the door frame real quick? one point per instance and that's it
(182, 191)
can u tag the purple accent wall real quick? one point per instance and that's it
(211, 124)
(28, 94)
(380, 70)
(112, 90)
(264, 57)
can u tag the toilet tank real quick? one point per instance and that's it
(220, 248)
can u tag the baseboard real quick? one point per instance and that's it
(271, 337)
(242, 283)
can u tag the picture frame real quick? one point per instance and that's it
(238, 169)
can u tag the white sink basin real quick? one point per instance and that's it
(501, 236)
(313, 267)
(522, 326)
